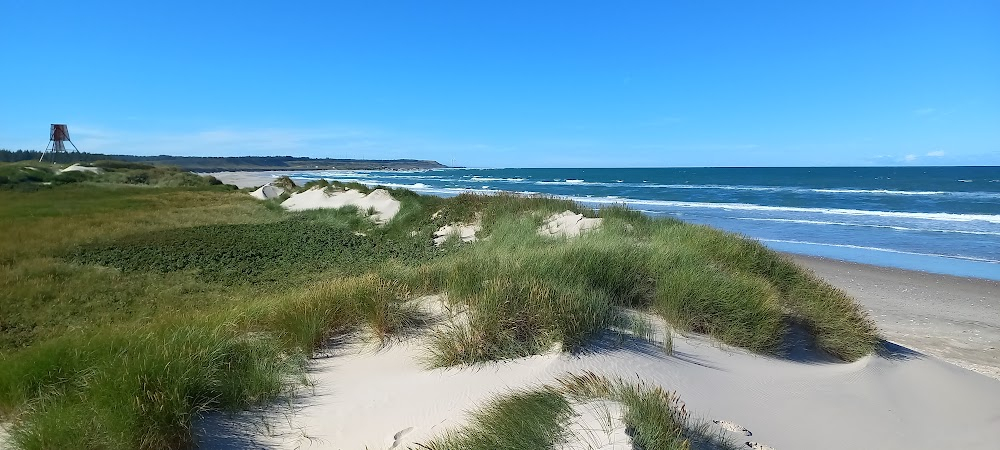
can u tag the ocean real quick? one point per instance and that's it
(935, 219)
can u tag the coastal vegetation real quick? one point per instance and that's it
(223, 163)
(136, 299)
(653, 418)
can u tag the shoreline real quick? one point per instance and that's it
(949, 317)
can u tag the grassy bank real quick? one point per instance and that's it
(127, 309)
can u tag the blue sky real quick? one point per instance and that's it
(511, 84)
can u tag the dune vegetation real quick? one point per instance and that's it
(134, 300)
(539, 418)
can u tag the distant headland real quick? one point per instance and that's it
(233, 163)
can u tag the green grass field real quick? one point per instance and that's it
(132, 301)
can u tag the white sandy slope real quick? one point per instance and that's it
(267, 191)
(377, 398)
(379, 200)
(466, 232)
(567, 224)
(79, 168)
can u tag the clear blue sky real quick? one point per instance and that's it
(511, 84)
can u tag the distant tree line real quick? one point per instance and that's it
(209, 164)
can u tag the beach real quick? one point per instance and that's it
(953, 318)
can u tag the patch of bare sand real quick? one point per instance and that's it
(82, 168)
(568, 224)
(379, 202)
(465, 232)
(267, 192)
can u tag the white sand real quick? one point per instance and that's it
(567, 224)
(79, 168)
(268, 191)
(379, 200)
(378, 398)
(466, 232)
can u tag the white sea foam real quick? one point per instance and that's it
(879, 249)
(479, 178)
(647, 185)
(949, 217)
(867, 225)
(878, 191)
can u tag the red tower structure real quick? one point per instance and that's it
(58, 134)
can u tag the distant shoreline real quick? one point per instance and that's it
(202, 164)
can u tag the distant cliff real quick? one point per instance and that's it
(215, 164)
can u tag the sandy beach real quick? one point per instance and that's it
(953, 318)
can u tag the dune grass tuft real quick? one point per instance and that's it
(136, 388)
(522, 420)
(539, 418)
(839, 326)
(654, 417)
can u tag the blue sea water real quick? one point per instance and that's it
(936, 219)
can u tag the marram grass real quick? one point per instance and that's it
(653, 417)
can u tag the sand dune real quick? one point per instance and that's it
(378, 201)
(365, 396)
(268, 191)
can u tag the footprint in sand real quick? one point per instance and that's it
(759, 446)
(729, 426)
(399, 435)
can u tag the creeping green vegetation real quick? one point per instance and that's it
(132, 301)
(243, 253)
